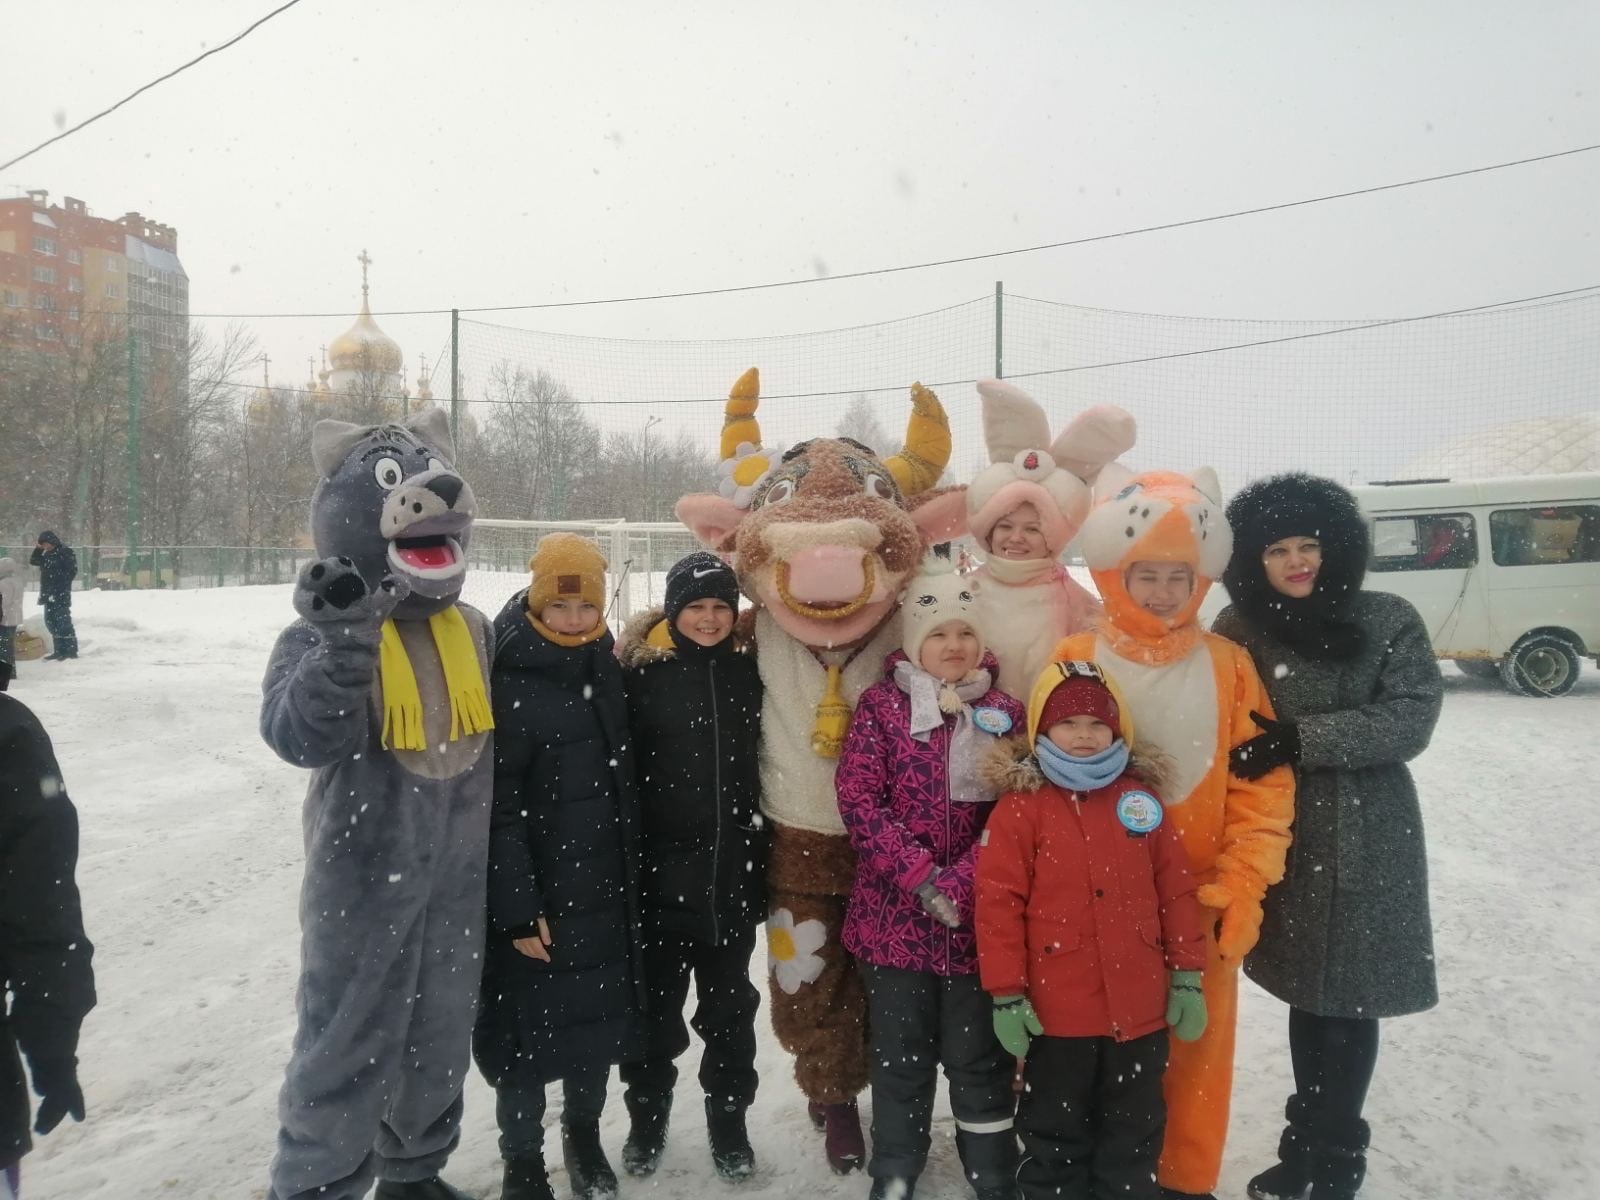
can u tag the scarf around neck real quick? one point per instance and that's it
(931, 700)
(1028, 572)
(1081, 774)
(463, 681)
(1317, 626)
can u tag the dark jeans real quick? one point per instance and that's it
(1334, 1058)
(8, 654)
(1091, 1118)
(724, 1017)
(58, 620)
(916, 1022)
(519, 1109)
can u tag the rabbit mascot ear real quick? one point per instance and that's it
(1027, 468)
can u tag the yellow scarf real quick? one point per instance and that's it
(463, 679)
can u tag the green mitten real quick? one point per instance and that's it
(1186, 1006)
(1015, 1023)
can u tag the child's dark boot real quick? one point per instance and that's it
(731, 1152)
(843, 1140)
(647, 1131)
(893, 1187)
(525, 1179)
(1290, 1179)
(589, 1172)
(1340, 1163)
(418, 1189)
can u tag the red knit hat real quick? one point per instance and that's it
(1080, 695)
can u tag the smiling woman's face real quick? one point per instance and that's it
(1292, 565)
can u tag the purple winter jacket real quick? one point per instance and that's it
(894, 799)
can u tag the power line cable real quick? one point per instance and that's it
(1090, 239)
(66, 133)
(1568, 295)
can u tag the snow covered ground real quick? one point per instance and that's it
(191, 861)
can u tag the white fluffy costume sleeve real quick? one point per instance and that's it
(1029, 605)
(380, 689)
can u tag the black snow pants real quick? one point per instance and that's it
(1091, 1118)
(724, 1017)
(58, 620)
(916, 1022)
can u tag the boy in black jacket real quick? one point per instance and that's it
(694, 706)
(563, 986)
(44, 956)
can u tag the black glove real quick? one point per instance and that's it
(56, 1081)
(1278, 746)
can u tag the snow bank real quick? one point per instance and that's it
(191, 864)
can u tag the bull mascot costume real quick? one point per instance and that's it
(823, 539)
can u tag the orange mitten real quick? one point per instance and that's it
(1237, 896)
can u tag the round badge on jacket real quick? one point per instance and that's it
(1139, 812)
(992, 720)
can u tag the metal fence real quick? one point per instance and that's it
(497, 560)
(109, 567)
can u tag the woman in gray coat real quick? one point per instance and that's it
(1346, 938)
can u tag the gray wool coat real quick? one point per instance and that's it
(1347, 933)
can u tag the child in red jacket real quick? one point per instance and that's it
(1089, 940)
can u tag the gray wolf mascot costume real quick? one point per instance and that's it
(380, 688)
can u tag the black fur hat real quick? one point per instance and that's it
(1300, 505)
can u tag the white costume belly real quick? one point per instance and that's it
(797, 782)
(1174, 708)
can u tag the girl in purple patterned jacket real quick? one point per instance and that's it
(911, 797)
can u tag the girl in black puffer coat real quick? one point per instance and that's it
(563, 984)
(694, 705)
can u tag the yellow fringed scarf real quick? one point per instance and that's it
(463, 680)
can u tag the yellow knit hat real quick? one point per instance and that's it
(566, 567)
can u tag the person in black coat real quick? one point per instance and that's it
(694, 706)
(563, 985)
(58, 567)
(44, 955)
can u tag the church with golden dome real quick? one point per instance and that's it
(363, 373)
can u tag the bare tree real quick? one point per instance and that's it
(859, 422)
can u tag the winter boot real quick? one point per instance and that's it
(647, 1132)
(421, 1189)
(525, 1179)
(1340, 1162)
(730, 1144)
(893, 1187)
(843, 1140)
(1290, 1179)
(1174, 1194)
(588, 1170)
(817, 1114)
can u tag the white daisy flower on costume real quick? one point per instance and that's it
(792, 950)
(740, 476)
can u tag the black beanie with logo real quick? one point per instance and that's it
(700, 576)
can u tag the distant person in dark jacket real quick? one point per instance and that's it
(44, 955)
(58, 567)
(563, 982)
(694, 707)
(1346, 938)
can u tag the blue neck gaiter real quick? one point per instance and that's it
(1081, 774)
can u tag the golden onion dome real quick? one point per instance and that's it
(365, 347)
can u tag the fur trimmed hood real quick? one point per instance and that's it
(1321, 625)
(1010, 766)
(639, 648)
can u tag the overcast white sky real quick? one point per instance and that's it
(510, 152)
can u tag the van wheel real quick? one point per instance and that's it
(1541, 665)
(1478, 668)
